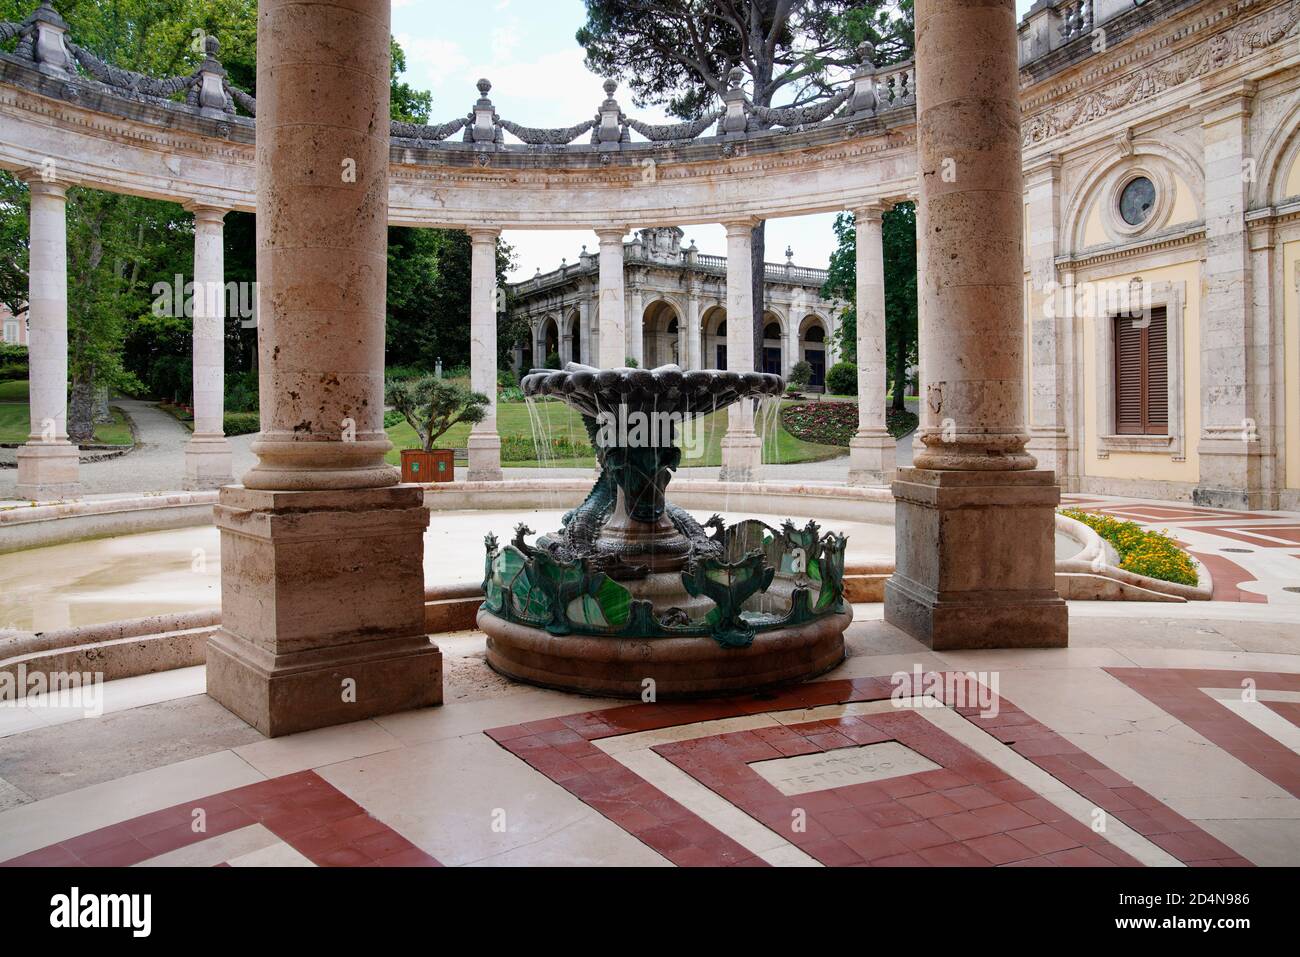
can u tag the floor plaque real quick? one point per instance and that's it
(842, 766)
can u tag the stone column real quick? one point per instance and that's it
(207, 454)
(322, 582)
(484, 443)
(742, 449)
(47, 463)
(872, 451)
(613, 337)
(636, 325)
(975, 526)
(692, 357)
(1051, 332)
(584, 330)
(1233, 352)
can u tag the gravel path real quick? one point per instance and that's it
(157, 464)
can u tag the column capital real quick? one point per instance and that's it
(483, 234)
(609, 235)
(872, 211)
(206, 213)
(38, 183)
(745, 224)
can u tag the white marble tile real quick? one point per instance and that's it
(278, 854)
(41, 823)
(315, 749)
(215, 850)
(467, 799)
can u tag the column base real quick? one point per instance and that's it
(742, 457)
(873, 458)
(976, 560)
(207, 463)
(322, 607)
(48, 471)
(485, 457)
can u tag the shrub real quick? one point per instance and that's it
(630, 362)
(240, 423)
(521, 448)
(392, 417)
(431, 406)
(1141, 551)
(241, 392)
(553, 360)
(800, 374)
(842, 379)
(13, 361)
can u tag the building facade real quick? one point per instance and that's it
(13, 329)
(676, 309)
(1161, 157)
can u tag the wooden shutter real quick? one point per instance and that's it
(1142, 375)
(1156, 361)
(1128, 377)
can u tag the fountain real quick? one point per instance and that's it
(632, 593)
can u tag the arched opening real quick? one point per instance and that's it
(813, 349)
(659, 326)
(773, 342)
(713, 349)
(572, 351)
(548, 344)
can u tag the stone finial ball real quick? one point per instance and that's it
(610, 86)
(484, 87)
(736, 76)
(212, 45)
(866, 52)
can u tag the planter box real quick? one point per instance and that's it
(436, 466)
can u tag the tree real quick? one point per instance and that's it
(898, 227)
(678, 53)
(431, 406)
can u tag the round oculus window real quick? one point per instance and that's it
(1136, 201)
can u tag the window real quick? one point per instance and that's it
(772, 331)
(1142, 375)
(1136, 201)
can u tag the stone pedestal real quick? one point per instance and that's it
(873, 458)
(47, 471)
(208, 462)
(975, 565)
(484, 456)
(322, 607)
(742, 455)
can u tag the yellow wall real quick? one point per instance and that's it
(1154, 466)
(1184, 207)
(1293, 179)
(1291, 360)
(1094, 233)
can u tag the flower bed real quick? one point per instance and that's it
(1141, 551)
(834, 423)
(827, 423)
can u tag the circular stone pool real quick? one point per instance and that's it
(152, 573)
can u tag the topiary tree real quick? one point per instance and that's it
(431, 406)
(800, 374)
(842, 379)
(631, 362)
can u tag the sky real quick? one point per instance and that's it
(527, 49)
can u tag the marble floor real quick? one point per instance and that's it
(1166, 735)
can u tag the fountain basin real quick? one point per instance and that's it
(670, 667)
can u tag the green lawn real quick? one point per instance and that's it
(559, 419)
(13, 390)
(15, 418)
